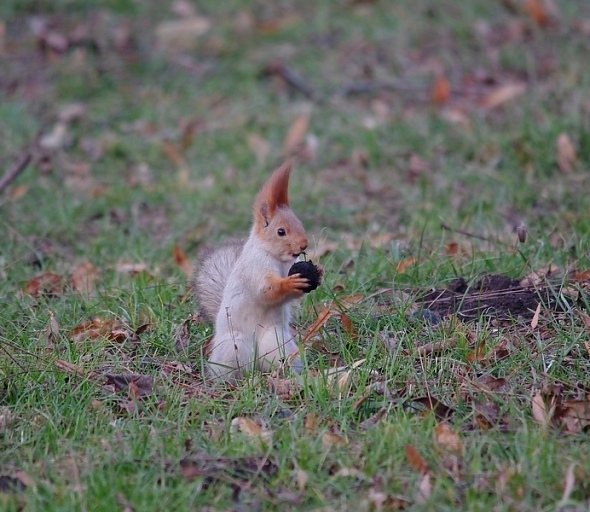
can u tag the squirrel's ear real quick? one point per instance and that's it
(274, 193)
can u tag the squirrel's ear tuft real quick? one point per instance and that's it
(274, 193)
(263, 210)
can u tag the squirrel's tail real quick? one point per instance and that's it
(211, 274)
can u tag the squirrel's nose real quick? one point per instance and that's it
(303, 247)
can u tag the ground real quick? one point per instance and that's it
(441, 171)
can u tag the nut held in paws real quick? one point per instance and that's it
(311, 272)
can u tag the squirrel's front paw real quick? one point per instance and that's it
(296, 283)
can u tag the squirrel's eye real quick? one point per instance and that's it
(281, 232)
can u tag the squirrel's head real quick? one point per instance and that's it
(275, 225)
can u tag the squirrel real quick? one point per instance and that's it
(244, 288)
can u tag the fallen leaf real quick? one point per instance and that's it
(321, 320)
(6, 417)
(536, 12)
(441, 91)
(95, 328)
(296, 135)
(302, 477)
(311, 423)
(330, 439)
(182, 261)
(424, 489)
(48, 283)
(415, 460)
(272, 26)
(137, 385)
(181, 335)
(83, 279)
(18, 192)
(259, 146)
(403, 265)
(182, 34)
(541, 412)
(569, 485)
(251, 429)
(535, 320)
(574, 415)
(10, 484)
(373, 420)
(566, 153)
(503, 94)
(348, 326)
(284, 389)
(51, 332)
(56, 138)
(126, 267)
(448, 439)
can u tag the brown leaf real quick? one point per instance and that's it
(424, 489)
(311, 423)
(71, 368)
(272, 26)
(433, 404)
(251, 429)
(535, 10)
(403, 265)
(83, 279)
(502, 94)
(566, 153)
(181, 335)
(95, 328)
(51, 332)
(321, 320)
(569, 485)
(6, 417)
(296, 135)
(285, 389)
(574, 415)
(448, 439)
(535, 320)
(373, 420)
(541, 412)
(182, 261)
(137, 385)
(415, 460)
(48, 283)
(348, 326)
(18, 191)
(441, 91)
(452, 248)
(330, 439)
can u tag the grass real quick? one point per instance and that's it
(169, 150)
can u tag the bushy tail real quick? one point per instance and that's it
(212, 272)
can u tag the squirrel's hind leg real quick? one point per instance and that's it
(274, 346)
(229, 358)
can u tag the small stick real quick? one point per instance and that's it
(463, 232)
(19, 166)
(290, 77)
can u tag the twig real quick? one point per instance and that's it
(466, 233)
(291, 78)
(19, 166)
(436, 347)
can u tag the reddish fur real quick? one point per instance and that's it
(278, 288)
(274, 193)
